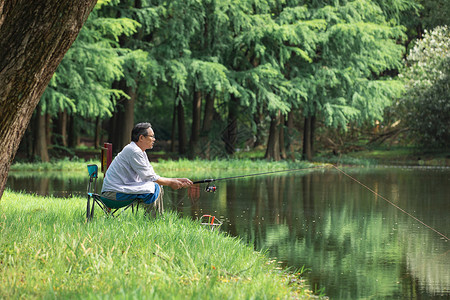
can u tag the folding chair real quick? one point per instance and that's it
(109, 206)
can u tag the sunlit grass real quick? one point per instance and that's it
(47, 250)
(230, 164)
(57, 165)
(347, 160)
(173, 165)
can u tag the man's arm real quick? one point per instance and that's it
(175, 183)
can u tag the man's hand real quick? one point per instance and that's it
(175, 183)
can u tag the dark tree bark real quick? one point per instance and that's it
(196, 123)
(40, 140)
(230, 135)
(126, 117)
(182, 138)
(258, 118)
(61, 129)
(273, 143)
(174, 124)
(48, 129)
(283, 154)
(208, 115)
(290, 131)
(98, 133)
(313, 134)
(73, 135)
(122, 121)
(34, 37)
(308, 137)
(112, 125)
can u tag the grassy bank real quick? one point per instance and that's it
(253, 162)
(182, 165)
(404, 156)
(47, 250)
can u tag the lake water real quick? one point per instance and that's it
(354, 243)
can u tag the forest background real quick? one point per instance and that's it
(286, 79)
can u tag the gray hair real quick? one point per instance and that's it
(140, 129)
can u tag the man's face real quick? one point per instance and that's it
(149, 140)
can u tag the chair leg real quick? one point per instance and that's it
(137, 207)
(92, 209)
(88, 214)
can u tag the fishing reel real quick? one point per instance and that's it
(210, 188)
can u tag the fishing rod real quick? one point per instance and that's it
(213, 188)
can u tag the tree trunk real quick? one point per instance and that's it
(48, 129)
(34, 36)
(273, 143)
(313, 134)
(258, 118)
(61, 130)
(282, 143)
(72, 132)
(126, 118)
(290, 130)
(208, 118)
(28, 143)
(196, 122)
(98, 133)
(307, 139)
(182, 138)
(40, 147)
(123, 118)
(208, 115)
(174, 124)
(230, 134)
(112, 125)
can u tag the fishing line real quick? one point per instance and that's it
(393, 204)
(257, 174)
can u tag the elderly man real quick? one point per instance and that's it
(131, 176)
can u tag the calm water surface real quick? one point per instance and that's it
(354, 244)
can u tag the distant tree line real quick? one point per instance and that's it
(216, 76)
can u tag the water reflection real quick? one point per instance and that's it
(355, 244)
(59, 184)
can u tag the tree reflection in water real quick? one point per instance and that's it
(355, 243)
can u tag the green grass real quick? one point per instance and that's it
(347, 160)
(229, 165)
(48, 251)
(181, 165)
(57, 165)
(404, 156)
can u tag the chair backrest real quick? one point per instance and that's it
(106, 156)
(93, 171)
(93, 175)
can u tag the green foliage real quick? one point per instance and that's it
(83, 81)
(325, 59)
(346, 82)
(434, 13)
(427, 81)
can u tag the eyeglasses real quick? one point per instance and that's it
(150, 136)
